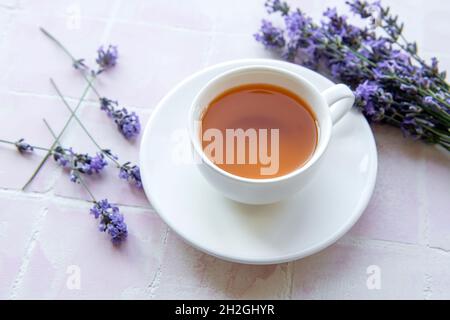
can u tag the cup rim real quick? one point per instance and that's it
(318, 152)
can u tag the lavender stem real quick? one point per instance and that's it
(34, 147)
(81, 124)
(80, 102)
(75, 173)
(70, 55)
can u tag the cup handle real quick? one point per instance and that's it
(340, 99)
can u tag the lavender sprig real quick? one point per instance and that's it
(389, 87)
(133, 172)
(22, 146)
(127, 122)
(111, 220)
(107, 59)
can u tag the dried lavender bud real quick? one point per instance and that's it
(111, 220)
(106, 59)
(127, 123)
(270, 36)
(131, 173)
(78, 163)
(23, 147)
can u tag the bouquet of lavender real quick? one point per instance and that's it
(392, 83)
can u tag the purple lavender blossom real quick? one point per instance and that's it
(131, 173)
(79, 163)
(23, 147)
(127, 123)
(363, 8)
(97, 163)
(111, 220)
(106, 59)
(62, 156)
(273, 6)
(270, 36)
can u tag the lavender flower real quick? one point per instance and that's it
(79, 163)
(106, 59)
(127, 123)
(363, 8)
(23, 147)
(131, 173)
(270, 36)
(273, 6)
(111, 220)
(392, 83)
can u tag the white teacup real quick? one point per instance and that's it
(328, 106)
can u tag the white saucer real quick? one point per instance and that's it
(305, 224)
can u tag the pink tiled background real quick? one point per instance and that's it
(46, 232)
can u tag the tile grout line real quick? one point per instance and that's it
(211, 43)
(424, 223)
(393, 245)
(290, 278)
(63, 200)
(48, 96)
(422, 207)
(111, 20)
(28, 252)
(88, 102)
(155, 283)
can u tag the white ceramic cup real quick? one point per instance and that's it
(328, 106)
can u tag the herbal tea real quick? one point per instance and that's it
(259, 131)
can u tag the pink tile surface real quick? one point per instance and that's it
(28, 62)
(435, 187)
(154, 59)
(47, 233)
(392, 203)
(22, 118)
(105, 271)
(187, 273)
(17, 236)
(343, 271)
(193, 14)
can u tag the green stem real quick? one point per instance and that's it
(77, 174)
(70, 55)
(14, 143)
(85, 186)
(441, 136)
(80, 102)
(81, 124)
